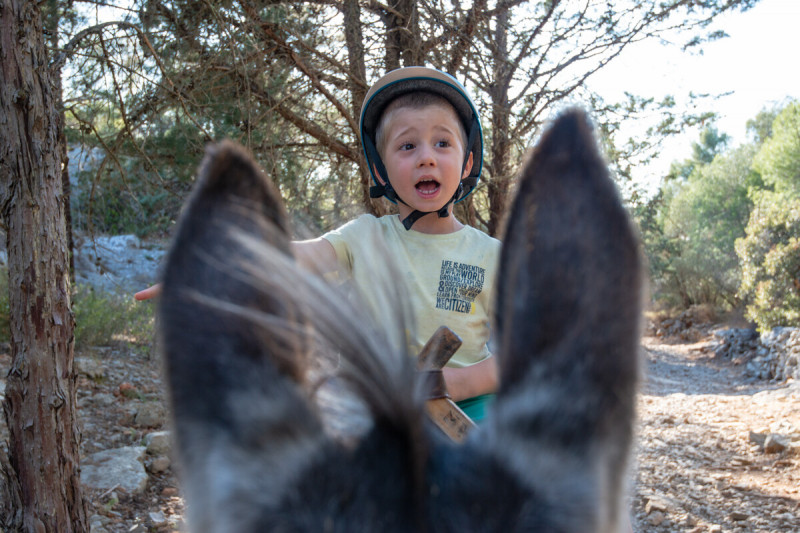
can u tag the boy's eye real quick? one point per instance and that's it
(406, 146)
(444, 143)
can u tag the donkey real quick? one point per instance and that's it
(248, 338)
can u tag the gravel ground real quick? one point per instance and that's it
(699, 465)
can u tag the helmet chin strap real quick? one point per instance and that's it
(443, 212)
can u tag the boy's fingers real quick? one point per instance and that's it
(149, 292)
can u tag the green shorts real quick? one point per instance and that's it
(477, 406)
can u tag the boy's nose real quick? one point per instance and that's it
(426, 156)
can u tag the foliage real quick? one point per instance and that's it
(770, 252)
(157, 82)
(658, 248)
(759, 128)
(778, 161)
(711, 144)
(694, 222)
(770, 256)
(100, 318)
(103, 318)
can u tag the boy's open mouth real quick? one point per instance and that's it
(427, 187)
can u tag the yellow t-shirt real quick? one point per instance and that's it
(448, 279)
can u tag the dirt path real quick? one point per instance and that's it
(697, 467)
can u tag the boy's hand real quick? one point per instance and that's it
(149, 292)
(475, 380)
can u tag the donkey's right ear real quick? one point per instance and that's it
(568, 308)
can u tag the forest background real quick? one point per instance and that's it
(149, 83)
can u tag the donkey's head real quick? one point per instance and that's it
(248, 337)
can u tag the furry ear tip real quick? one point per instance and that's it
(227, 149)
(573, 119)
(570, 133)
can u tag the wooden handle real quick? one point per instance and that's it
(439, 349)
(443, 411)
(449, 418)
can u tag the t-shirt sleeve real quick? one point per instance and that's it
(343, 238)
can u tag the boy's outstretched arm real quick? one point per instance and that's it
(316, 255)
(149, 292)
(471, 381)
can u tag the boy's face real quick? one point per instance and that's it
(423, 155)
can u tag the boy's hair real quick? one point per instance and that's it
(414, 100)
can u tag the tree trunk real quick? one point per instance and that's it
(358, 91)
(40, 398)
(51, 20)
(403, 39)
(499, 164)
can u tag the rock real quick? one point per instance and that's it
(775, 443)
(170, 492)
(738, 516)
(128, 390)
(118, 264)
(104, 399)
(157, 519)
(89, 367)
(158, 443)
(97, 524)
(150, 414)
(655, 504)
(758, 438)
(656, 518)
(118, 468)
(160, 464)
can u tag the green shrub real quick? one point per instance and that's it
(102, 318)
(702, 218)
(770, 259)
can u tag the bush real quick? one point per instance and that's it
(770, 258)
(100, 318)
(702, 218)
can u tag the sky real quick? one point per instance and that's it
(758, 64)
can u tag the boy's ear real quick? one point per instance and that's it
(468, 166)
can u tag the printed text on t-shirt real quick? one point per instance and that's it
(459, 284)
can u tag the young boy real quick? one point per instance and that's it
(422, 139)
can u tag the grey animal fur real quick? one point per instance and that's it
(247, 336)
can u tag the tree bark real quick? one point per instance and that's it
(403, 39)
(499, 164)
(50, 22)
(40, 398)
